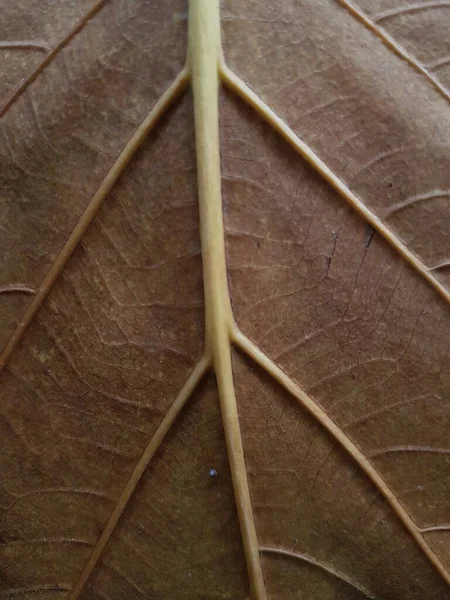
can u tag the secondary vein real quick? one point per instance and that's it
(261, 359)
(139, 136)
(152, 447)
(51, 55)
(240, 88)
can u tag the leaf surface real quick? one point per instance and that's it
(250, 402)
(417, 28)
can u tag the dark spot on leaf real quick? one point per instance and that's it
(368, 235)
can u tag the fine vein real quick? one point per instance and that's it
(51, 587)
(23, 45)
(175, 89)
(434, 195)
(238, 86)
(328, 424)
(394, 46)
(51, 55)
(17, 289)
(400, 449)
(412, 8)
(307, 559)
(136, 476)
(205, 55)
(435, 528)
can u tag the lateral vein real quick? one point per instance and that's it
(124, 158)
(240, 88)
(261, 359)
(394, 46)
(51, 55)
(315, 563)
(152, 447)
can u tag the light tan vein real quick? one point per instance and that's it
(412, 8)
(442, 265)
(242, 90)
(205, 54)
(435, 528)
(440, 62)
(328, 424)
(173, 92)
(415, 199)
(166, 424)
(307, 559)
(17, 289)
(395, 47)
(51, 55)
(403, 449)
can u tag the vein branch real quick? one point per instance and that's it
(435, 528)
(50, 56)
(412, 8)
(238, 86)
(307, 559)
(124, 158)
(257, 355)
(154, 444)
(23, 45)
(394, 46)
(50, 587)
(411, 449)
(17, 289)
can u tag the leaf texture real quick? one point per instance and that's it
(78, 118)
(417, 29)
(351, 88)
(181, 527)
(250, 402)
(30, 33)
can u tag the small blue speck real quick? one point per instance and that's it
(212, 473)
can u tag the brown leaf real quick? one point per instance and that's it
(278, 425)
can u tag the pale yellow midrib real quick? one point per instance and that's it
(205, 57)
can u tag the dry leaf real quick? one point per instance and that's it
(274, 427)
